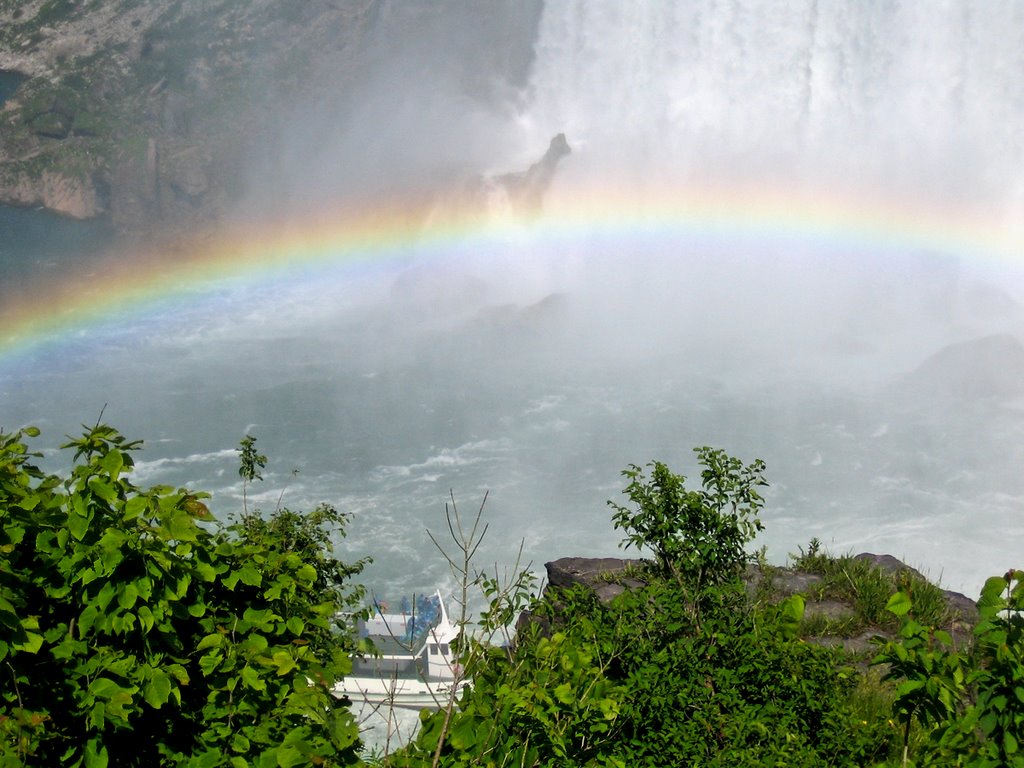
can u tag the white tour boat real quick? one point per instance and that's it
(415, 668)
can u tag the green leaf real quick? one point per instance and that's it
(206, 571)
(208, 759)
(284, 662)
(899, 604)
(135, 506)
(158, 689)
(463, 735)
(97, 716)
(259, 619)
(78, 518)
(127, 596)
(992, 596)
(255, 644)
(96, 758)
(791, 612)
(104, 688)
(87, 618)
(33, 640)
(249, 575)
(239, 743)
(213, 640)
(182, 527)
(146, 618)
(909, 686)
(106, 595)
(102, 488)
(564, 693)
(31, 644)
(209, 662)
(112, 463)
(251, 678)
(289, 756)
(178, 673)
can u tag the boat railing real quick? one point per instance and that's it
(416, 641)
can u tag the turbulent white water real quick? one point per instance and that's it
(537, 368)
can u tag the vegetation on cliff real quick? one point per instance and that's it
(149, 104)
(129, 610)
(161, 112)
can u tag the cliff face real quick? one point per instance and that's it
(150, 111)
(69, 194)
(141, 108)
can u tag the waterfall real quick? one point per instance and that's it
(920, 98)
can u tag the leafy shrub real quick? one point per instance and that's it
(698, 536)
(970, 702)
(640, 683)
(124, 609)
(647, 680)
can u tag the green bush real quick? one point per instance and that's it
(129, 611)
(969, 701)
(681, 671)
(124, 610)
(640, 683)
(697, 536)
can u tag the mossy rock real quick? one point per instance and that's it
(39, 102)
(88, 124)
(55, 11)
(54, 125)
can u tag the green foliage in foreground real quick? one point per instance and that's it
(137, 631)
(682, 671)
(970, 702)
(639, 683)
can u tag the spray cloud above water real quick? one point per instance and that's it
(782, 230)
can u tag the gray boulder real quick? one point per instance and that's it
(608, 577)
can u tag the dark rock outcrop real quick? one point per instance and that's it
(889, 564)
(76, 196)
(990, 366)
(608, 577)
(526, 190)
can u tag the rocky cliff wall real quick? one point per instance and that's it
(151, 111)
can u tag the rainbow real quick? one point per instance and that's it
(135, 283)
